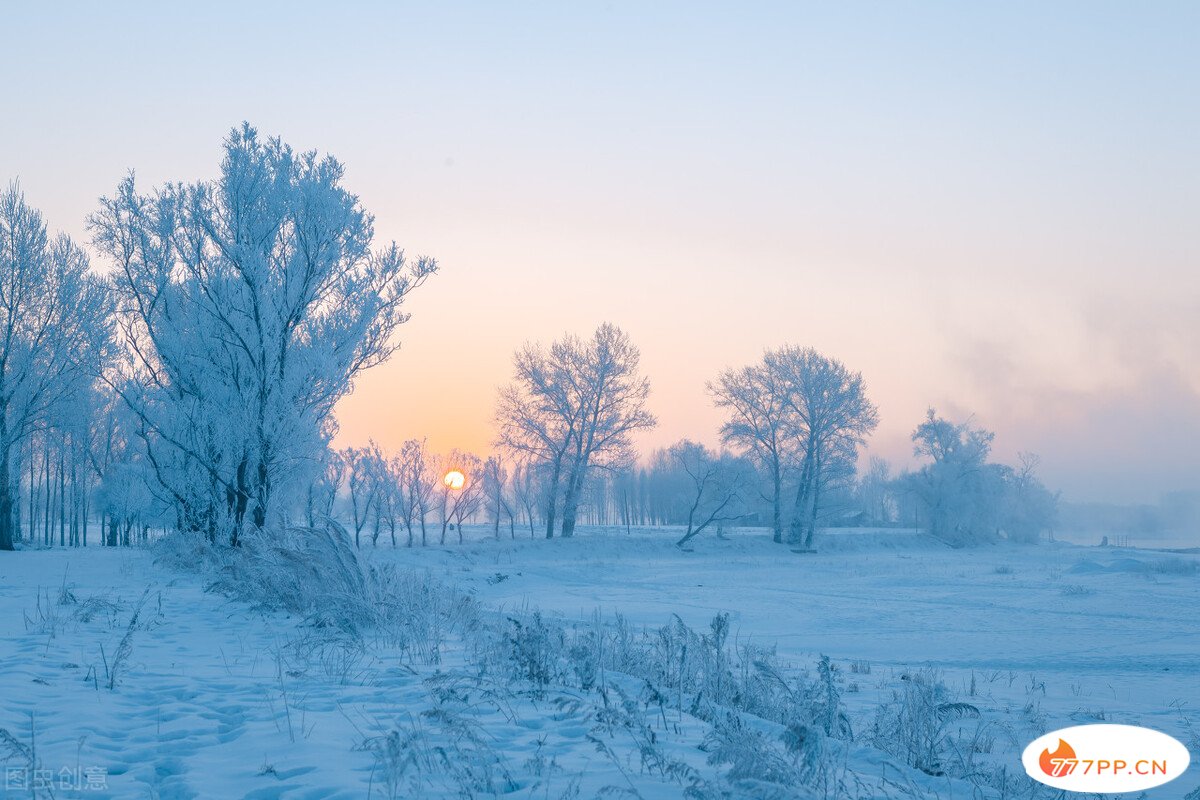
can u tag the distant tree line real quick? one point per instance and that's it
(191, 387)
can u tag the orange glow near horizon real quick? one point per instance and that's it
(1022, 256)
(454, 480)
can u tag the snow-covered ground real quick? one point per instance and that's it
(212, 698)
(1081, 634)
(1120, 616)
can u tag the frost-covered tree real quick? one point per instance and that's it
(323, 489)
(248, 305)
(667, 489)
(960, 493)
(497, 497)
(829, 417)
(365, 488)
(716, 487)
(54, 335)
(612, 394)
(389, 497)
(537, 419)
(458, 502)
(526, 490)
(417, 481)
(574, 407)
(757, 425)
(873, 493)
(125, 499)
(626, 496)
(1030, 508)
(801, 416)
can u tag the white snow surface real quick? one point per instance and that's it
(209, 704)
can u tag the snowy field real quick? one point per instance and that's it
(899, 599)
(206, 696)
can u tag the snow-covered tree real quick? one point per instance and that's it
(537, 419)
(389, 504)
(612, 394)
(414, 469)
(829, 417)
(961, 494)
(248, 305)
(497, 497)
(801, 416)
(717, 487)
(873, 493)
(458, 501)
(574, 407)
(54, 335)
(526, 491)
(323, 489)
(1030, 508)
(364, 488)
(758, 421)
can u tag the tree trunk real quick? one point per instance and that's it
(777, 504)
(62, 498)
(800, 511)
(812, 520)
(7, 501)
(32, 494)
(571, 500)
(553, 497)
(263, 489)
(47, 523)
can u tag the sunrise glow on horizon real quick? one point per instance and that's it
(990, 211)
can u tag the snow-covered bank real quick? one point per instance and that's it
(214, 699)
(198, 706)
(203, 697)
(1074, 633)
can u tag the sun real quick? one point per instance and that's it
(454, 479)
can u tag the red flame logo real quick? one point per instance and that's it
(1059, 762)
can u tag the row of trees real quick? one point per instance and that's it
(192, 387)
(53, 331)
(420, 496)
(237, 313)
(80, 465)
(957, 495)
(796, 421)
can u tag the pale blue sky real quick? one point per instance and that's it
(991, 208)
